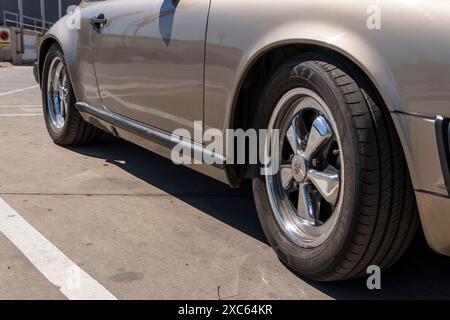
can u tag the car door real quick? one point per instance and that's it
(148, 57)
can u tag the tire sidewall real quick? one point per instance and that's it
(318, 261)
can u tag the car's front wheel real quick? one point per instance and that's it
(342, 199)
(64, 123)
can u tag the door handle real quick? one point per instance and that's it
(99, 22)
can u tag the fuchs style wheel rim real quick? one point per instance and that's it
(57, 94)
(306, 193)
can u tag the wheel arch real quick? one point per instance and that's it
(68, 42)
(260, 67)
(43, 50)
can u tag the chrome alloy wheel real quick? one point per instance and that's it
(57, 94)
(306, 193)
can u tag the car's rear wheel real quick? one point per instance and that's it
(342, 199)
(64, 123)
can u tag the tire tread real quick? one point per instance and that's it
(388, 217)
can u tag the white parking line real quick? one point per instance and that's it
(72, 281)
(17, 91)
(22, 106)
(21, 115)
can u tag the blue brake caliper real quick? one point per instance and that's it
(56, 104)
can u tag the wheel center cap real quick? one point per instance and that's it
(299, 168)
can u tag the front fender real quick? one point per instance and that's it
(410, 70)
(407, 73)
(75, 44)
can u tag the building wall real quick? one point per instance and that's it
(32, 8)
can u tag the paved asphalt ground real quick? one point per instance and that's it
(143, 228)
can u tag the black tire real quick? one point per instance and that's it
(379, 216)
(76, 130)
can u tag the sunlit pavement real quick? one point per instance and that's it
(144, 228)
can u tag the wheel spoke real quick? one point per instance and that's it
(294, 135)
(56, 77)
(64, 102)
(319, 135)
(326, 182)
(287, 177)
(56, 90)
(305, 207)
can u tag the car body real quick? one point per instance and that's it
(158, 65)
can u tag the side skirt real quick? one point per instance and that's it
(153, 139)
